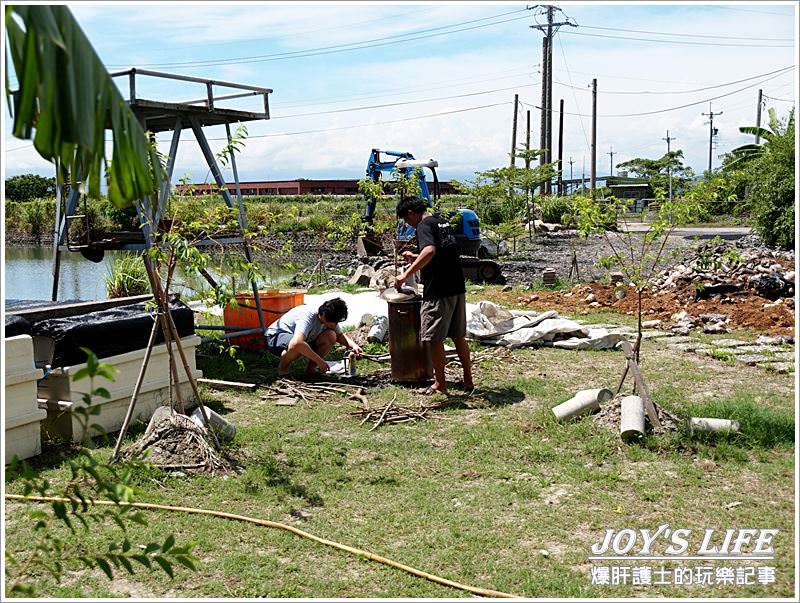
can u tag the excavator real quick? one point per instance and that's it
(383, 165)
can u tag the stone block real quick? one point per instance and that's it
(59, 394)
(778, 367)
(22, 429)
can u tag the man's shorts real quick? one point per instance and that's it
(444, 317)
(277, 342)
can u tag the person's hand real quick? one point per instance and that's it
(399, 280)
(408, 256)
(357, 349)
(323, 367)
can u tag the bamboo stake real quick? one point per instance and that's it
(139, 380)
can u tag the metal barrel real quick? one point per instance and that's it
(410, 358)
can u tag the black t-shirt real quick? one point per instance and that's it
(442, 276)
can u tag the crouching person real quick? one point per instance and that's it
(304, 331)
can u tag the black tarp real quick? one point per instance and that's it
(17, 325)
(108, 332)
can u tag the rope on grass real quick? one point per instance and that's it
(274, 524)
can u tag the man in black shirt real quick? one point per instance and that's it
(443, 311)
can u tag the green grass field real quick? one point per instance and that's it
(489, 492)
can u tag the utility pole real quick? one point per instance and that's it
(711, 132)
(669, 163)
(528, 167)
(560, 146)
(543, 123)
(550, 10)
(583, 175)
(758, 113)
(570, 167)
(514, 132)
(549, 30)
(593, 166)
(611, 152)
(528, 139)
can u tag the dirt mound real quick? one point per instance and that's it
(175, 442)
(610, 414)
(743, 308)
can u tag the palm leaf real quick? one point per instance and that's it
(65, 102)
(756, 131)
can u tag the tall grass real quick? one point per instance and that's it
(760, 427)
(127, 276)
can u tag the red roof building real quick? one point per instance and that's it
(288, 187)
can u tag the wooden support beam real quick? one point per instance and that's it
(219, 384)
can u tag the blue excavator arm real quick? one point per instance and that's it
(381, 168)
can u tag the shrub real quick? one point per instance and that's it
(27, 187)
(772, 208)
(15, 216)
(554, 209)
(127, 276)
(39, 216)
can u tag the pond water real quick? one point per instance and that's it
(28, 275)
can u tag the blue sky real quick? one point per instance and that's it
(451, 70)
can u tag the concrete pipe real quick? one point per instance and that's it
(714, 425)
(224, 429)
(631, 424)
(584, 401)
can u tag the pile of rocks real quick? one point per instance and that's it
(721, 268)
(710, 323)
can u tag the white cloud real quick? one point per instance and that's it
(450, 65)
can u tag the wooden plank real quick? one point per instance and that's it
(639, 380)
(219, 384)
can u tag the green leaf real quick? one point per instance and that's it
(80, 374)
(125, 562)
(168, 543)
(187, 561)
(165, 565)
(60, 511)
(101, 392)
(104, 565)
(68, 96)
(139, 518)
(143, 559)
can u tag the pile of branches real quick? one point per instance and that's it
(287, 392)
(178, 443)
(393, 413)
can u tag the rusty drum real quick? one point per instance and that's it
(411, 359)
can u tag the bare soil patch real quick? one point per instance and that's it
(744, 309)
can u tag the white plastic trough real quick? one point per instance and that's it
(22, 414)
(59, 394)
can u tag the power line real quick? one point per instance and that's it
(336, 48)
(685, 35)
(575, 98)
(713, 98)
(382, 106)
(380, 123)
(338, 128)
(687, 42)
(783, 100)
(747, 10)
(752, 77)
(393, 91)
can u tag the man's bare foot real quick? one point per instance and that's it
(430, 391)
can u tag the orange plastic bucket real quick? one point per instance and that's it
(274, 304)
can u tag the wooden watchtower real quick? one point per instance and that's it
(218, 103)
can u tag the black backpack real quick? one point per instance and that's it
(447, 237)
